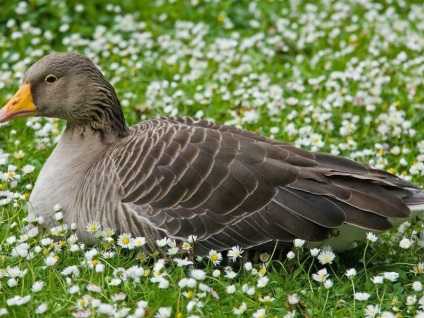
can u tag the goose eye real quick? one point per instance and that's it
(50, 79)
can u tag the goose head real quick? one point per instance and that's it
(67, 86)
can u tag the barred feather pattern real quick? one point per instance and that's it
(179, 176)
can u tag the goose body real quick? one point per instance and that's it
(180, 176)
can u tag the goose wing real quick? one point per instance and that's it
(230, 187)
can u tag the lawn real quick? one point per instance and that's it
(344, 77)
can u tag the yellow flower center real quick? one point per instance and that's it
(126, 241)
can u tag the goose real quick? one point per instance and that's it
(180, 176)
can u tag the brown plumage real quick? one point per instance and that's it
(179, 176)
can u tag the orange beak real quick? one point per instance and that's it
(21, 105)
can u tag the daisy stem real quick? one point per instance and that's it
(309, 276)
(364, 262)
(324, 308)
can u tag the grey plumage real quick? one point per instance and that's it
(178, 176)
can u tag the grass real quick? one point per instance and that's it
(337, 76)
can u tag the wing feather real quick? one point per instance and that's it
(183, 176)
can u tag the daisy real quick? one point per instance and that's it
(248, 290)
(192, 238)
(159, 268)
(293, 299)
(139, 241)
(262, 270)
(92, 227)
(135, 272)
(328, 283)
(391, 276)
(172, 251)
(105, 309)
(51, 260)
(371, 237)
(410, 300)
(18, 300)
(320, 276)
(59, 230)
(71, 270)
(58, 216)
(240, 310)
(163, 312)
(266, 299)
(405, 243)
(350, 273)
(264, 257)
(362, 296)
(290, 314)
(372, 311)
(115, 282)
(326, 257)
(125, 240)
(235, 253)
(108, 232)
(12, 282)
(28, 169)
(108, 254)
(74, 289)
(377, 279)
(418, 269)
(198, 274)
(387, 314)
(37, 286)
(182, 262)
(189, 294)
(163, 242)
(231, 289)
(299, 243)
(186, 246)
(417, 286)
(262, 281)
(94, 288)
(314, 252)
(12, 240)
(248, 266)
(118, 297)
(260, 313)
(230, 274)
(41, 309)
(73, 239)
(216, 273)
(215, 257)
